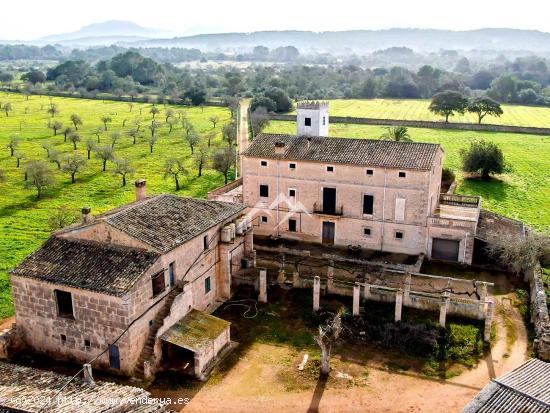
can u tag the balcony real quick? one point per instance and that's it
(334, 211)
(460, 200)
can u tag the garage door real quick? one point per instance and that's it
(445, 249)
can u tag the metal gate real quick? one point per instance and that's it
(445, 249)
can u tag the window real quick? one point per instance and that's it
(368, 204)
(324, 120)
(87, 343)
(263, 163)
(399, 235)
(292, 192)
(370, 172)
(402, 174)
(292, 225)
(330, 168)
(172, 273)
(292, 165)
(64, 304)
(157, 282)
(307, 121)
(207, 286)
(366, 232)
(205, 242)
(264, 191)
(63, 338)
(264, 219)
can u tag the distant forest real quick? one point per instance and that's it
(397, 72)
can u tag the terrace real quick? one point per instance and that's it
(457, 211)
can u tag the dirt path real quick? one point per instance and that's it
(251, 385)
(242, 138)
(6, 323)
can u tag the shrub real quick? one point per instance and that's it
(484, 158)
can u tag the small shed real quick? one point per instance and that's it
(195, 341)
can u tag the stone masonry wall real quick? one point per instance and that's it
(539, 314)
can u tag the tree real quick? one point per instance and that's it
(115, 137)
(232, 104)
(192, 139)
(13, 144)
(47, 147)
(397, 134)
(134, 134)
(259, 119)
(53, 110)
(152, 140)
(188, 128)
(76, 120)
(210, 137)
(34, 77)
(518, 253)
(229, 133)
(261, 101)
(169, 113)
(328, 334)
(175, 167)
(74, 138)
(484, 158)
(74, 164)
(56, 157)
(61, 217)
(98, 131)
(154, 111)
(18, 155)
(90, 146)
(131, 106)
(106, 120)
(448, 103)
(281, 99)
(484, 106)
(7, 108)
(105, 153)
(196, 94)
(124, 168)
(214, 120)
(39, 176)
(201, 158)
(55, 126)
(223, 160)
(66, 132)
(171, 122)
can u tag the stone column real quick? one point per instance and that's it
(296, 279)
(366, 293)
(356, 298)
(316, 292)
(262, 298)
(445, 299)
(398, 305)
(88, 377)
(407, 291)
(488, 321)
(481, 287)
(281, 277)
(330, 277)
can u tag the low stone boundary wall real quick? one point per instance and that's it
(427, 124)
(539, 314)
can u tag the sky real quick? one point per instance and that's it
(40, 17)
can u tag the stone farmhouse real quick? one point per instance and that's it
(370, 194)
(134, 287)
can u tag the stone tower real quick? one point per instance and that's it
(312, 118)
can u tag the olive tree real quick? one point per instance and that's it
(39, 176)
(192, 140)
(175, 168)
(123, 168)
(223, 160)
(201, 157)
(90, 146)
(53, 110)
(74, 164)
(105, 153)
(484, 158)
(106, 120)
(55, 126)
(13, 144)
(74, 138)
(7, 108)
(327, 335)
(76, 120)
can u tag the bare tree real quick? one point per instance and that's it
(175, 168)
(106, 120)
(38, 176)
(223, 160)
(61, 217)
(74, 164)
(76, 120)
(90, 146)
(214, 119)
(105, 153)
(328, 334)
(13, 144)
(55, 126)
(74, 138)
(201, 158)
(124, 168)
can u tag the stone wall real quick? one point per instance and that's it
(539, 314)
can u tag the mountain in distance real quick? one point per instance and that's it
(109, 32)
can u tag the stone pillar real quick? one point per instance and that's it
(281, 277)
(88, 377)
(356, 298)
(316, 292)
(407, 291)
(445, 299)
(481, 287)
(262, 298)
(366, 293)
(248, 242)
(330, 277)
(296, 279)
(224, 277)
(398, 305)
(148, 371)
(488, 321)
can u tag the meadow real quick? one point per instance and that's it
(524, 193)
(417, 109)
(24, 219)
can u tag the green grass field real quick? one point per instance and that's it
(24, 219)
(523, 194)
(416, 109)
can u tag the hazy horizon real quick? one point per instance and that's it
(218, 16)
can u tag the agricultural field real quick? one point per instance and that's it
(522, 194)
(25, 220)
(417, 109)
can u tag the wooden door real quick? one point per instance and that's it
(328, 233)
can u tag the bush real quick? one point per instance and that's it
(448, 175)
(484, 158)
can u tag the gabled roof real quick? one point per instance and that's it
(25, 389)
(363, 152)
(525, 389)
(99, 267)
(166, 221)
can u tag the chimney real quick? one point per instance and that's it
(87, 215)
(279, 148)
(88, 378)
(141, 189)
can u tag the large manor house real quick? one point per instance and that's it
(135, 288)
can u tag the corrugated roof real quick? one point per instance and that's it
(95, 266)
(364, 152)
(166, 221)
(523, 390)
(27, 389)
(195, 331)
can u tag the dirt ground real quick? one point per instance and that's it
(263, 379)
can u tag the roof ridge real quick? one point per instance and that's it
(104, 245)
(288, 135)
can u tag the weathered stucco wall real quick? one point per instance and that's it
(539, 313)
